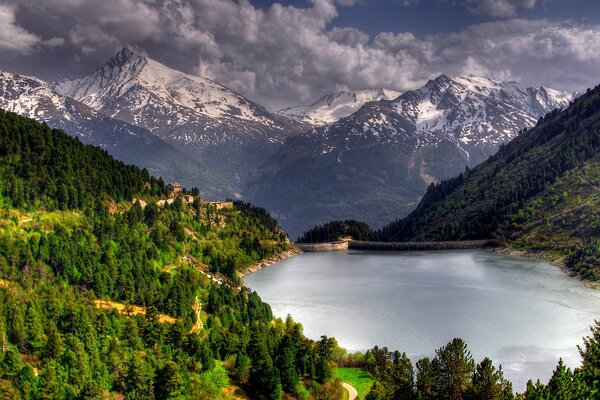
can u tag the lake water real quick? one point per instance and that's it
(522, 313)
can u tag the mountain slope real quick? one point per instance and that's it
(375, 164)
(539, 193)
(101, 298)
(228, 132)
(33, 98)
(335, 106)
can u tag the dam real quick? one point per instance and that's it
(347, 243)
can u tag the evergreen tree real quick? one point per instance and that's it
(590, 357)
(425, 379)
(453, 367)
(489, 383)
(242, 368)
(54, 346)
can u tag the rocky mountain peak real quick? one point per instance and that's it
(122, 57)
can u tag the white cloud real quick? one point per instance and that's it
(53, 42)
(286, 55)
(13, 37)
(498, 8)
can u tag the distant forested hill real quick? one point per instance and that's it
(333, 230)
(539, 193)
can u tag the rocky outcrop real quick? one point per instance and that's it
(294, 251)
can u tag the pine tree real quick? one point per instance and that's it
(453, 367)
(54, 347)
(425, 379)
(590, 356)
(264, 378)
(242, 368)
(489, 383)
(286, 363)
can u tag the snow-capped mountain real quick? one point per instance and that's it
(229, 132)
(335, 106)
(375, 164)
(476, 114)
(33, 98)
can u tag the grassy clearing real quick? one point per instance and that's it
(358, 378)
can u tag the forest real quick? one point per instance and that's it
(332, 231)
(72, 234)
(103, 296)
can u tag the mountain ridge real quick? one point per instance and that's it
(376, 163)
(196, 115)
(538, 194)
(334, 106)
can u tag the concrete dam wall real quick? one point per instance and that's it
(412, 246)
(394, 246)
(327, 246)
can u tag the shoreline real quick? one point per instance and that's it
(511, 251)
(257, 266)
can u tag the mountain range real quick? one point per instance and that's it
(375, 164)
(33, 98)
(366, 155)
(223, 129)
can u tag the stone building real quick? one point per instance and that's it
(174, 188)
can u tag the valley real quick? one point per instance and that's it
(248, 200)
(367, 155)
(159, 278)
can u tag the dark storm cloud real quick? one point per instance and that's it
(285, 54)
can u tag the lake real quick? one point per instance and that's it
(524, 314)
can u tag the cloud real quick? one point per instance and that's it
(350, 2)
(13, 37)
(559, 54)
(53, 42)
(285, 55)
(498, 8)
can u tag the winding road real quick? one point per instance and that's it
(352, 392)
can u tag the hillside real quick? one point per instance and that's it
(375, 164)
(110, 289)
(539, 194)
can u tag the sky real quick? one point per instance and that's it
(294, 51)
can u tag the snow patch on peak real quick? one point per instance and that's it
(335, 106)
(134, 75)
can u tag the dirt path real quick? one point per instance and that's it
(352, 392)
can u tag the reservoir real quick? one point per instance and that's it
(524, 314)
